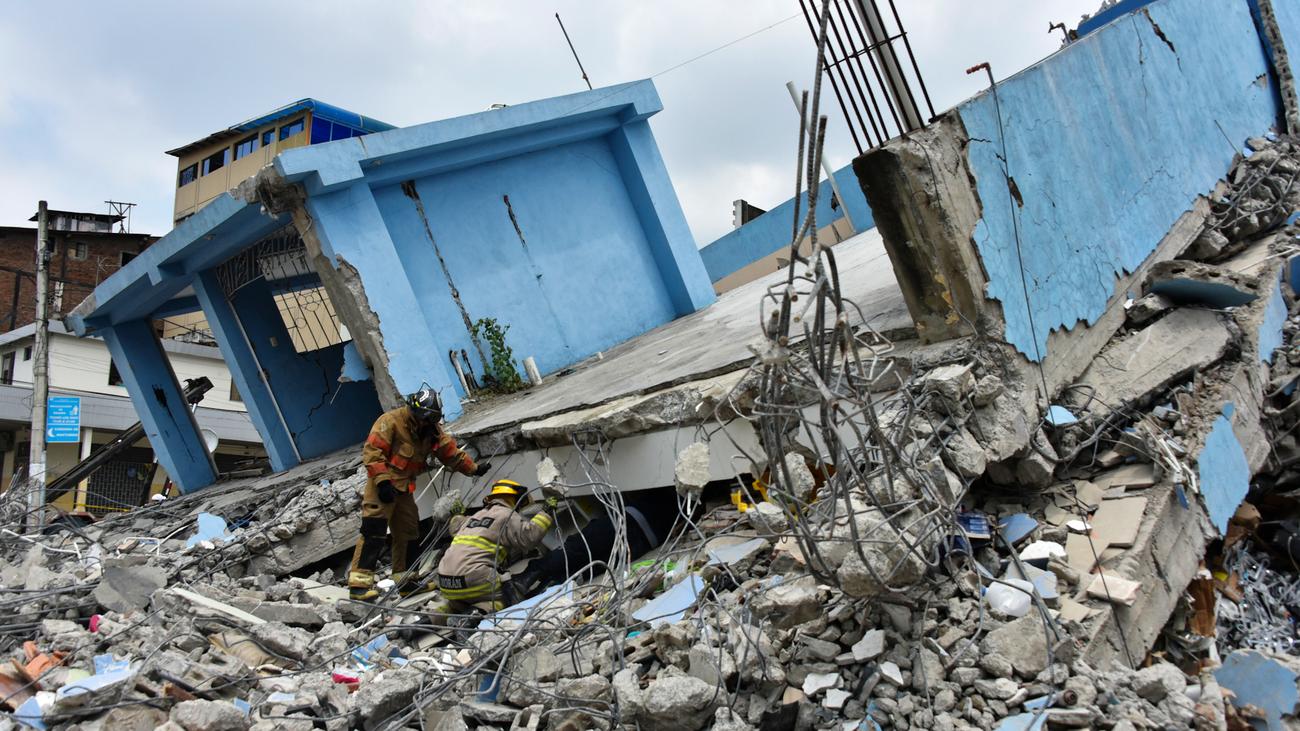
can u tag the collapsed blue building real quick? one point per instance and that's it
(555, 218)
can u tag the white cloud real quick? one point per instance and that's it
(95, 92)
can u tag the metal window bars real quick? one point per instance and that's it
(872, 84)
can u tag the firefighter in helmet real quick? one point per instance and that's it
(400, 446)
(469, 573)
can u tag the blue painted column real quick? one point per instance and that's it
(246, 371)
(661, 215)
(157, 398)
(354, 234)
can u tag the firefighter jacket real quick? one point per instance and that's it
(397, 450)
(484, 541)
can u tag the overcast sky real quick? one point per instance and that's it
(92, 93)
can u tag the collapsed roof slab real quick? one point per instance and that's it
(1025, 212)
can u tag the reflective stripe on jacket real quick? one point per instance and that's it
(397, 450)
(485, 540)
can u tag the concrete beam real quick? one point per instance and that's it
(246, 371)
(168, 422)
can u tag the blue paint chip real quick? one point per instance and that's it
(1060, 416)
(29, 713)
(1015, 527)
(1223, 471)
(1260, 681)
(1023, 722)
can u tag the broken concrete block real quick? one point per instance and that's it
(1159, 680)
(952, 382)
(535, 665)
(124, 588)
(1002, 427)
(679, 702)
(788, 604)
(1038, 467)
(1147, 308)
(1022, 643)
(964, 454)
(1210, 244)
(200, 715)
(818, 682)
(768, 518)
(383, 695)
(880, 562)
(871, 646)
(1196, 283)
(547, 472)
(281, 639)
(1146, 362)
(692, 470)
(890, 672)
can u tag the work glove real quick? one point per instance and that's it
(482, 469)
(457, 507)
(387, 493)
(552, 503)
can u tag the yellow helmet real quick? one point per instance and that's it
(506, 488)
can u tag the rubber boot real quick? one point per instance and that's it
(410, 583)
(361, 585)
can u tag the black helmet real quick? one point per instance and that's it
(426, 405)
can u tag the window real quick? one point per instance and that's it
(187, 176)
(216, 161)
(27, 353)
(246, 147)
(7, 368)
(268, 137)
(125, 258)
(320, 130)
(234, 392)
(292, 128)
(79, 250)
(114, 378)
(342, 132)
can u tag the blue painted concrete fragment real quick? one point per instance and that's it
(1257, 680)
(1191, 291)
(774, 229)
(1023, 722)
(1108, 141)
(1270, 328)
(1060, 416)
(1223, 472)
(672, 605)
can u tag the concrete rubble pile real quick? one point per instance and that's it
(921, 543)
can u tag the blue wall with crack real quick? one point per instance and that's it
(1108, 142)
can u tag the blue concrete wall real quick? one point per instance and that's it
(772, 230)
(1222, 471)
(576, 277)
(598, 250)
(1109, 142)
(321, 413)
(1270, 328)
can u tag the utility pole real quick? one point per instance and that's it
(40, 373)
(826, 166)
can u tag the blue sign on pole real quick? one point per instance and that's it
(63, 420)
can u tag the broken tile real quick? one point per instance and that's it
(1079, 551)
(1114, 588)
(1131, 476)
(1074, 611)
(1088, 493)
(1116, 522)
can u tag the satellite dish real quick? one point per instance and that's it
(210, 439)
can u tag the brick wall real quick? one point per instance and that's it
(77, 276)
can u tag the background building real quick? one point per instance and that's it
(82, 368)
(85, 249)
(208, 167)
